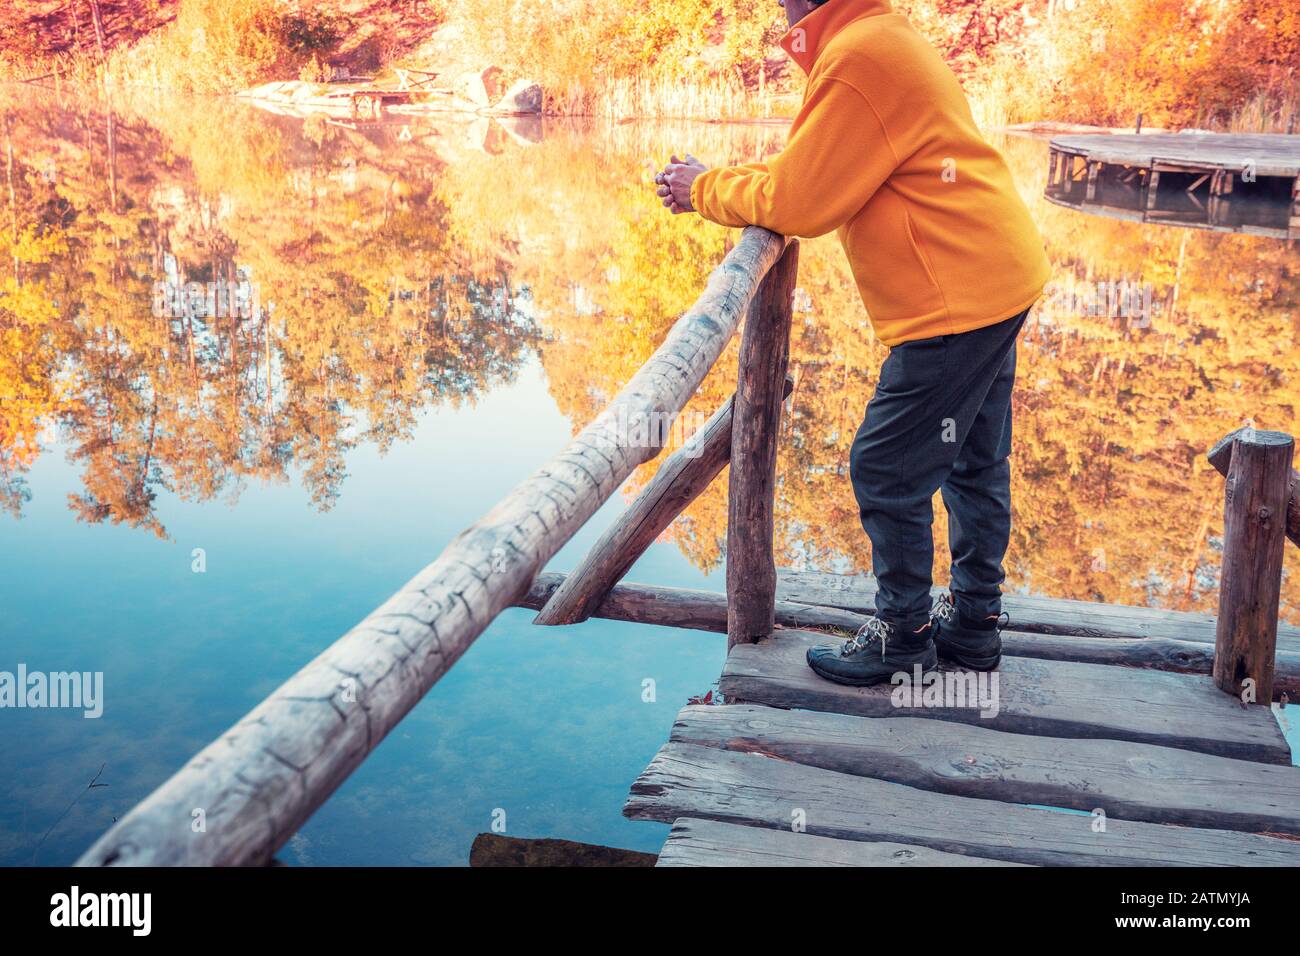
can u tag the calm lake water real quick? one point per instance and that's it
(405, 319)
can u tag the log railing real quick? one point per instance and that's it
(244, 795)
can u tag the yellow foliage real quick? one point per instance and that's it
(226, 45)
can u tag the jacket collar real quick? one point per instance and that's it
(809, 36)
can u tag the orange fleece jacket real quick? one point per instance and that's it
(885, 151)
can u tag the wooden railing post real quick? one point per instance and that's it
(764, 355)
(1258, 469)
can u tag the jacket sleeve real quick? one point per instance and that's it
(837, 156)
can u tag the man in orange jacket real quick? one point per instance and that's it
(884, 151)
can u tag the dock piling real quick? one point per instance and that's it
(1257, 495)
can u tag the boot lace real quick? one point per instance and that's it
(945, 609)
(875, 631)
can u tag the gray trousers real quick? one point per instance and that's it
(940, 420)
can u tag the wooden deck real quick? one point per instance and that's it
(1078, 764)
(1224, 182)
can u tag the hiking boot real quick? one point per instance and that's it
(874, 654)
(973, 644)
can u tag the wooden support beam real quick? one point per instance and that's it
(265, 776)
(707, 611)
(1295, 206)
(679, 481)
(684, 607)
(1250, 582)
(764, 354)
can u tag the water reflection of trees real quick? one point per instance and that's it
(369, 310)
(390, 261)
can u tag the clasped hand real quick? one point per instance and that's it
(674, 183)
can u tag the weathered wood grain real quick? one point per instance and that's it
(684, 780)
(713, 843)
(764, 353)
(680, 480)
(1250, 582)
(1129, 781)
(1156, 653)
(261, 780)
(707, 611)
(500, 850)
(1028, 613)
(685, 607)
(1050, 698)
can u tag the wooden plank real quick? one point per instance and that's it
(1052, 698)
(1030, 613)
(707, 611)
(685, 607)
(1156, 653)
(262, 779)
(1153, 190)
(704, 782)
(499, 850)
(751, 490)
(1129, 781)
(713, 843)
(678, 482)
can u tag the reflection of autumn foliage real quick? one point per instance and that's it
(368, 312)
(29, 345)
(403, 267)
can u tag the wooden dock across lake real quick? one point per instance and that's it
(1246, 183)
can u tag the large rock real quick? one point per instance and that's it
(524, 96)
(481, 87)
